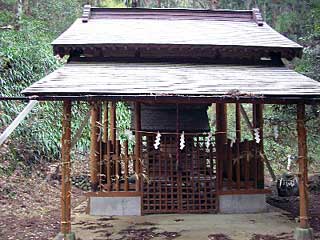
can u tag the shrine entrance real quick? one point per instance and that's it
(179, 181)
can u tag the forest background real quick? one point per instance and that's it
(27, 27)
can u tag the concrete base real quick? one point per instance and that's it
(70, 236)
(242, 203)
(115, 206)
(303, 234)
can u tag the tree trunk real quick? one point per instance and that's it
(26, 7)
(214, 4)
(248, 4)
(19, 11)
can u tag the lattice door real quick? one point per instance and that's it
(185, 185)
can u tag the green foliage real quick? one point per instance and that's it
(26, 56)
(113, 3)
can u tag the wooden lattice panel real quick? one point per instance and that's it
(183, 184)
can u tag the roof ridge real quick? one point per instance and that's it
(168, 13)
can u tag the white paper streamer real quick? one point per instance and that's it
(157, 141)
(256, 135)
(182, 141)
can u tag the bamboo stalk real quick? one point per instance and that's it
(65, 169)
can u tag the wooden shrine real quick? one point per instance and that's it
(169, 66)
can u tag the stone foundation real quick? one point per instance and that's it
(115, 206)
(242, 203)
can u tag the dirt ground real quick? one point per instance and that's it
(29, 206)
(29, 209)
(272, 225)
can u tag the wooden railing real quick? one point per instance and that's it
(119, 168)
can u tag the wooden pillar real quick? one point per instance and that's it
(105, 122)
(137, 150)
(303, 166)
(238, 140)
(258, 123)
(113, 124)
(94, 147)
(221, 140)
(66, 169)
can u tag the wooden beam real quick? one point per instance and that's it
(262, 154)
(221, 141)
(94, 147)
(246, 118)
(137, 124)
(303, 166)
(80, 129)
(4, 136)
(66, 169)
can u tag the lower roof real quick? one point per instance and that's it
(150, 81)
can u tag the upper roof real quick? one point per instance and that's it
(106, 32)
(151, 81)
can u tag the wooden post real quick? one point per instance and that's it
(94, 147)
(238, 140)
(117, 165)
(303, 166)
(137, 150)
(65, 170)
(113, 124)
(108, 166)
(221, 140)
(105, 122)
(126, 165)
(258, 123)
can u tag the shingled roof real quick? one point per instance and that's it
(104, 32)
(110, 48)
(150, 81)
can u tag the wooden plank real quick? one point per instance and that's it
(113, 194)
(303, 167)
(245, 191)
(66, 169)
